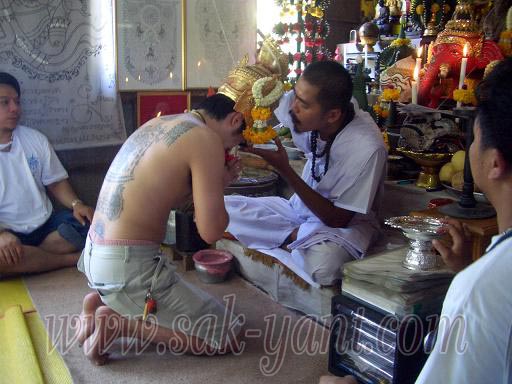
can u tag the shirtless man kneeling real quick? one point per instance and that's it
(157, 169)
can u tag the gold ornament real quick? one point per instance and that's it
(270, 62)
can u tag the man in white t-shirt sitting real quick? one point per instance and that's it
(33, 238)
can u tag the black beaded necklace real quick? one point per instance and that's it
(327, 150)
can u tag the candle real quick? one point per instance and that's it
(419, 59)
(414, 86)
(463, 66)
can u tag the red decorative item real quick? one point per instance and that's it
(229, 157)
(151, 305)
(153, 104)
(451, 54)
(211, 92)
(434, 203)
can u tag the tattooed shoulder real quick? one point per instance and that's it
(177, 131)
(121, 172)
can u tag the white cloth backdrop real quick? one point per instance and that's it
(62, 53)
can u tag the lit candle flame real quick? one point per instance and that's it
(170, 75)
(465, 50)
(159, 113)
(198, 63)
(419, 51)
(126, 79)
(416, 73)
(139, 77)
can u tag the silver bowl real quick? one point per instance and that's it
(420, 231)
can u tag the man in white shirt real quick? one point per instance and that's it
(33, 238)
(474, 336)
(332, 217)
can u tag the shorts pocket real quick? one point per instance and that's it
(107, 274)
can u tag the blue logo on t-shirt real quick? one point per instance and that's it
(33, 164)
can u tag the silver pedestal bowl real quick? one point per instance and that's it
(420, 231)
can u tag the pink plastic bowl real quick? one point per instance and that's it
(212, 265)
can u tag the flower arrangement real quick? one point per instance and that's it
(381, 107)
(465, 96)
(261, 131)
(398, 42)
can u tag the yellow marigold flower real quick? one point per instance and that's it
(435, 8)
(399, 42)
(254, 137)
(261, 113)
(420, 9)
(464, 96)
(389, 94)
(507, 34)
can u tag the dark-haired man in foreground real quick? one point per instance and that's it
(474, 337)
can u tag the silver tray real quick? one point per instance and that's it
(420, 231)
(416, 224)
(255, 176)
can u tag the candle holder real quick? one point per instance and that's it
(468, 207)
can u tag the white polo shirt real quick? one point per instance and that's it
(25, 170)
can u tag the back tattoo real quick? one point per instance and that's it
(110, 201)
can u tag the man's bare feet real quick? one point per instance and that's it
(86, 323)
(107, 328)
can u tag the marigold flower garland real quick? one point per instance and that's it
(465, 96)
(381, 107)
(261, 131)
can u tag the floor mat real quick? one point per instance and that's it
(26, 354)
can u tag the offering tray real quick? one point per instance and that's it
(420, 231)
(430, 164)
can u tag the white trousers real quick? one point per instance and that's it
(324, 261)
